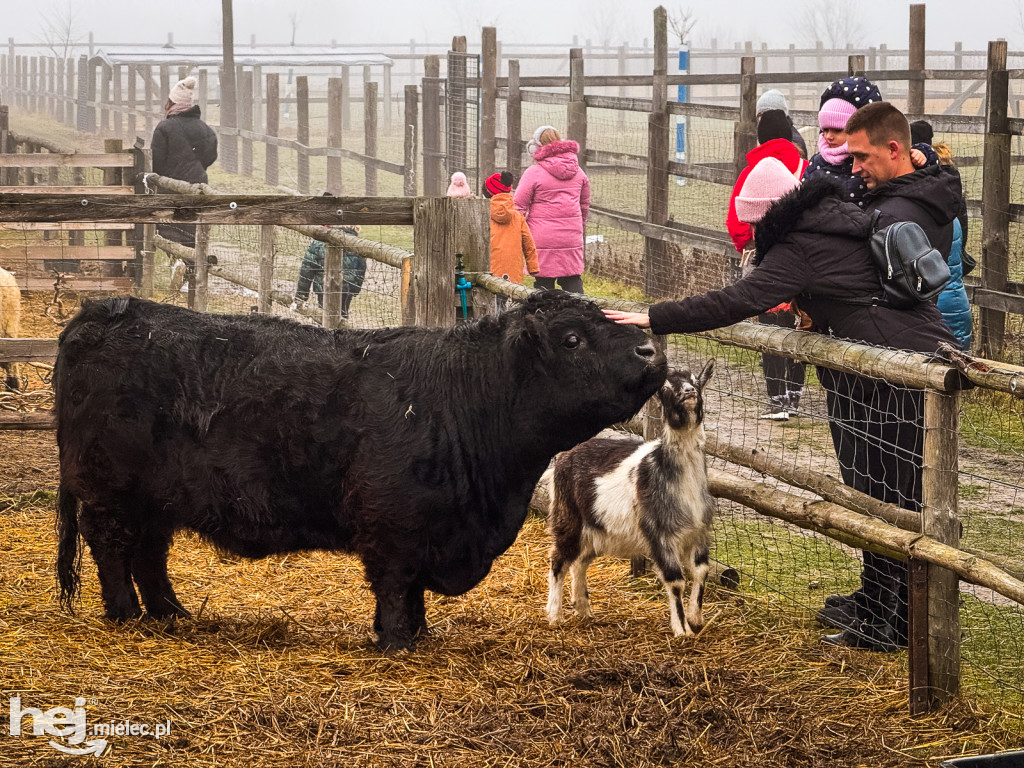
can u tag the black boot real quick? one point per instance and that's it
(876, 635)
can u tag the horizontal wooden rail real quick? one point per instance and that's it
(62, 160)
(209, 209)
(59, 252)
(28, 350)
(40, 190)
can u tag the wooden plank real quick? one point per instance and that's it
(88, 226)
(514, 122)
(63, 160)
(999, 301)
(210, 209)
(432, 291)
(27, 421)
(335, 135)
(617, 102)
(28, 350)
(370, 135)
(40, 190)
(995, 199)
(58, 252)
(701, 172)
(334, 274)
(620, 159)
(74, 282)
(542, 97)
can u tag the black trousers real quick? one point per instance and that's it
(570, 283)
(781, 374)
(878, 436)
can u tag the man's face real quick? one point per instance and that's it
(875, 165)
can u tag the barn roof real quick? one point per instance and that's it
(265, 55)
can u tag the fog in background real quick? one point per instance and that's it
(778, 22)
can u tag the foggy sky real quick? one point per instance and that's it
(777, 22)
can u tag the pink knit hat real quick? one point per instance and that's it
(834, 113)
(767, 181)
(459, 187)
(184, 91)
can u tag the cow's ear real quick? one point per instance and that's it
(705, 375)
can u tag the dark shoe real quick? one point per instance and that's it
(841, 615)
(850, 600)
(873, 636)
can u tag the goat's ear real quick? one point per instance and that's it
(705, 375)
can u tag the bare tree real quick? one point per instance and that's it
(836, 25)
(682, 22)
(471, 15)
(59, 29)
(293, 19)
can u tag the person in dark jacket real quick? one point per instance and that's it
(183, 148)
(311, 274)
(784, 377)
(879, 142)
(813, 245)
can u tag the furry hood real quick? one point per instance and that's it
(559, 158)
(815, 207)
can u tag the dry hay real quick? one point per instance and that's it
(277, 669)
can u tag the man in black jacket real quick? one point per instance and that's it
(813, 245)
(885, 460)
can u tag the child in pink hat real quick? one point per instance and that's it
(459, 186)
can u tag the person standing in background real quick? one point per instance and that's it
(183, 148)
(554, 196)
(769, 102)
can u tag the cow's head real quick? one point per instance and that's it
(577, 371)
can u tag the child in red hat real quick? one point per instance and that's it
(511, 242)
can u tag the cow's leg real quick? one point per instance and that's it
(391, 619)
(416, 610)
(110, 544)
(149, 569)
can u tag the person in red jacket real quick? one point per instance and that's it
(784, 378)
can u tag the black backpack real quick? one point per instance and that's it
(909, 269)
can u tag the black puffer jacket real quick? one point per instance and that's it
(184, 147)
(930, 197)
(813, 246)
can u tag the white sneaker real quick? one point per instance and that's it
(775, 414)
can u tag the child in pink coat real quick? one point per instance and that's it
(554, 195)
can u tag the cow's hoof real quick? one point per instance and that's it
(394, 645)
(123, 616)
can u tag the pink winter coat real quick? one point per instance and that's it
(554, 195)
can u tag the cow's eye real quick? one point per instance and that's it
(571, 341)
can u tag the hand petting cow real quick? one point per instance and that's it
(416, 449)
(626, 498)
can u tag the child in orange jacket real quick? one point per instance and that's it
(511, 242)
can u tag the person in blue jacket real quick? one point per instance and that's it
(952, 302)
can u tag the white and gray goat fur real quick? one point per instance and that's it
(626, 498)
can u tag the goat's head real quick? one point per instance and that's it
(682, 396)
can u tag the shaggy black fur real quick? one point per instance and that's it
(418, 449)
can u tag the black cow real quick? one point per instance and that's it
(417, 449)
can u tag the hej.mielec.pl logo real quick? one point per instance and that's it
(76, 736)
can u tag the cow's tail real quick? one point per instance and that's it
(69, 557)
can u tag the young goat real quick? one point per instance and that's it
(624, 498)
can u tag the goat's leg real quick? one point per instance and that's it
(556, 581)
(697, 564)
(670, 571)
(580, 593)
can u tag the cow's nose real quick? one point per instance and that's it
(651, 352)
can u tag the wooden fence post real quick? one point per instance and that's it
(113, 177)
(576, 112)
(245, 120)
(958, 63)
(941, 521)
(302, 132)
(432, 290)
(411, 123)
(147, 98)
(144, 233)
(106, 75)
(514, 122)
(456, 137)
(201, 280)
(346, 106)
(855, 65)
(203, 92)
(334, 275)
(118, 103)
(432, 173)
(915, 88)
(745, 136)
(265, 289)
(995, 199)
(370, 134)
(83, 94)
(655, 252)
(387, 101)
(273, 122)
(228, 98)
(488, 100)
(33, 84)
(335, 135)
